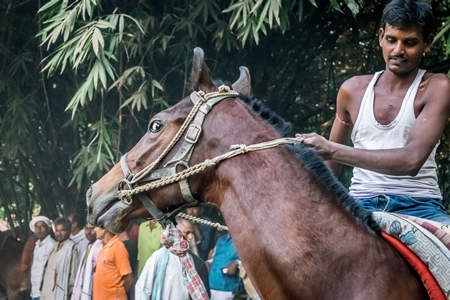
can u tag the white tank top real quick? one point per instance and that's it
(369, 134)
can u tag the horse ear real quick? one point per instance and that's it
(243, 85)
(200, 76)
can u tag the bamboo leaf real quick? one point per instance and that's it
(335, 5)
(232, 7)
(256, 6)
(313, 2)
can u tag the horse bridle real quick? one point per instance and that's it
(203, 103)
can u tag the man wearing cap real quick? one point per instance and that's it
(41, 227)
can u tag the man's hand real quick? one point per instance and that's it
(321, 145)
(232, 268)
(128, 282)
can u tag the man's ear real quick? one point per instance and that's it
(429, 41)
(380, 35)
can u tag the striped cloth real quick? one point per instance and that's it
(174, 241)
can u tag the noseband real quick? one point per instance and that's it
(203, 103)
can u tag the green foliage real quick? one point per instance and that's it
(251, 17)
(79, 82)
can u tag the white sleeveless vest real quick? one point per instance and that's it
(369, 134)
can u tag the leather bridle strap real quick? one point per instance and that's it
(148, 203)
(181, 158)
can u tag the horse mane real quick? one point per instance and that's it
(312, 161)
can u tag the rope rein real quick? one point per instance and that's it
(236, 150)
(218, 226)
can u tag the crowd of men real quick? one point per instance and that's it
(69, 259)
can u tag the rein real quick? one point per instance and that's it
(203, 103)
(217, 226)
(238, 149)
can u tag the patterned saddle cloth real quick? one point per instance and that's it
(427, 240)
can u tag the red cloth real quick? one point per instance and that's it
(428, 280)
(27, 254)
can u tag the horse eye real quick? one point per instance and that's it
(155, 126)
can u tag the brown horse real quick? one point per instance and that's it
(13, 281)
(297, 231)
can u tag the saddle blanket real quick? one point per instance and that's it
(428, 240)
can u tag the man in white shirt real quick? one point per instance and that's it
(162, 276)
(62, 264)
(41, 227)
(83, 282)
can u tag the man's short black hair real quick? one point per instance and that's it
(64, 222)
(404, 13)
(80, 219)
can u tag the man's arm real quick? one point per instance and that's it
(408, 160)
(128, 282)
(144, 285)
(73, 269)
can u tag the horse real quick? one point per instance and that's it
(296, 229)
(13, 281)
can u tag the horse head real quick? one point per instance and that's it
(166, 149)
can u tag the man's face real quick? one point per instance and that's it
(61, 233)
(41, 230)
(100, 233)
(89, 231)
(72, 222)
(403, 48)
(187, 230)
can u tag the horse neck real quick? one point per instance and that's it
(275, 209)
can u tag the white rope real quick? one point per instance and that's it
(236, 150)
(218, 226)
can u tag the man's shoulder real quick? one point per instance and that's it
(436, 89)
(144, 224)
(115, 242)
(159, 252)
(47, 241)
(78, 237)
(69, 243)
(357, 82)
(436, 80)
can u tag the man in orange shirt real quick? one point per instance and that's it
(113, 277)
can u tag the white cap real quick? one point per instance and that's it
(38, 219)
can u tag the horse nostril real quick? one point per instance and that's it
(88, 196)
